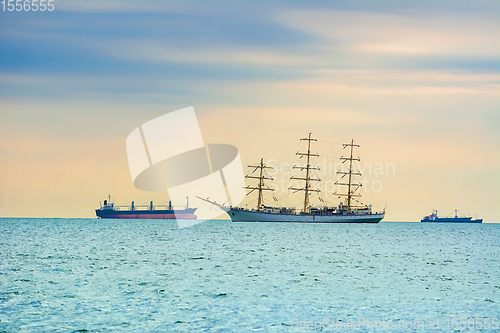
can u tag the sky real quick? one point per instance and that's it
(415, 83)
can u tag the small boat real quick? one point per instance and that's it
(435, 218)
(110, 211)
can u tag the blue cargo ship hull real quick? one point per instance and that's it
(452, 220)
(147, 214)
(436, 219)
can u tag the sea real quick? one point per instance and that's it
(91, 275)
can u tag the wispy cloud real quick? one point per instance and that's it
(113, 6)
(400, 34)
(158, 52)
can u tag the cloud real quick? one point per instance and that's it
(398, 34)
(112, 6)
(156, 51)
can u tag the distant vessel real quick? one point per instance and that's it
(346, 212)
(110, 211)
(434, 218)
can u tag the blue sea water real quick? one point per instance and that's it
(89, 275)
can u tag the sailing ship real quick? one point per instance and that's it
(111, 211)
(350, 210)
(435, 218)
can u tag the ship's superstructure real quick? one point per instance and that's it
(347, 211)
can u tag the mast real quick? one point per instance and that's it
(351, 188)
(307, 188)
(350, 177)
(260, 186)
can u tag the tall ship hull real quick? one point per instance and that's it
(240, 215)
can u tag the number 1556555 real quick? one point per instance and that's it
(27, 5)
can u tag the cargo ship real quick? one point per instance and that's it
(110, 211)
(350, 210)
(435, 218)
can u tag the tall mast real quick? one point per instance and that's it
(307, 188)
(351, 188)
(260, 186)
(350, 176)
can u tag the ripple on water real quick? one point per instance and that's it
(88, 275)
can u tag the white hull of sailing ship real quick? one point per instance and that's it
(350, 211)
(240, 215)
